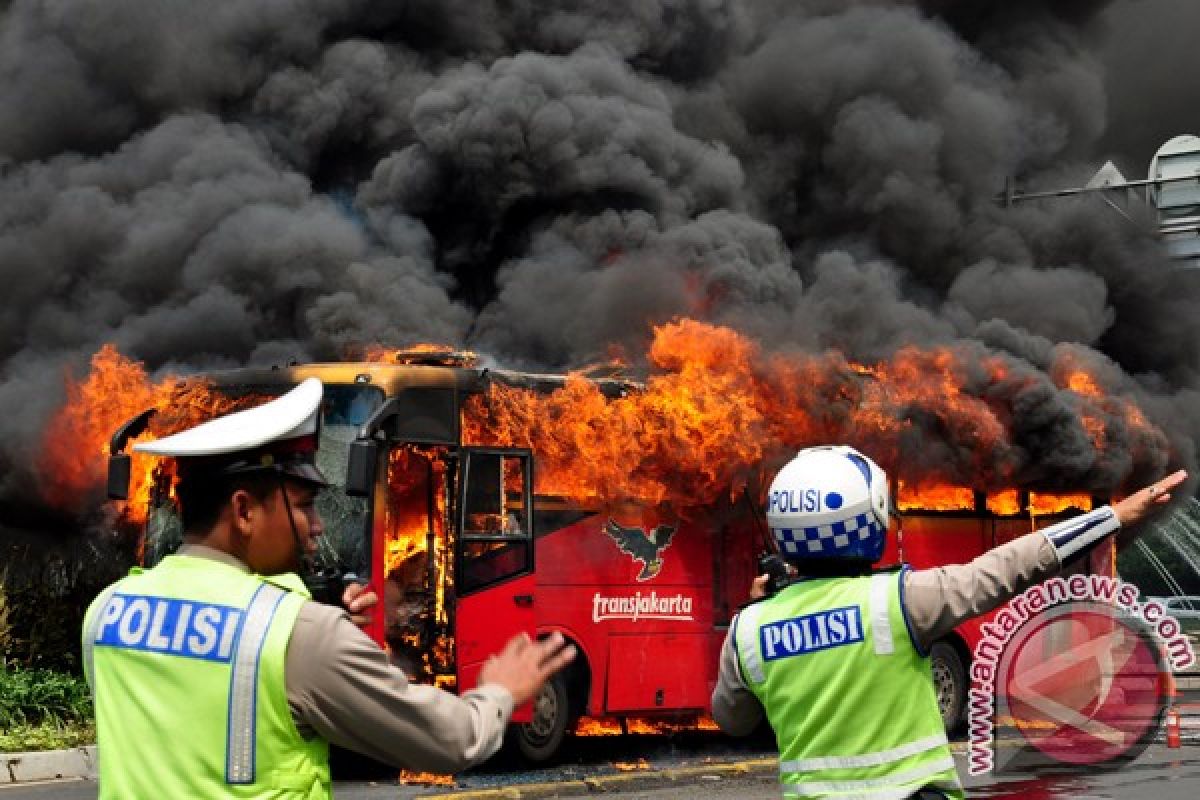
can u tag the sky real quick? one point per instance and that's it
(1148, 51)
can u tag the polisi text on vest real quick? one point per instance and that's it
(810, 633)
(166, 625)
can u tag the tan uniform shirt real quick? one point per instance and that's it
(341, 687)
(935, 600)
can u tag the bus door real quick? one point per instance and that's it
(411, 545)
(494, 576)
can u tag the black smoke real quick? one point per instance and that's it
(209, 186)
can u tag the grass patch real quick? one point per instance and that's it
(41, 709)
(37, 696)
(46, 736)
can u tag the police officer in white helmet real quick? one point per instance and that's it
(837, 659)
(213, 673)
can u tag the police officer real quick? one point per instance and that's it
(215, 676)
(838, 659)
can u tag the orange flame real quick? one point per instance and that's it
(115, 390)
(716, 410)
(1006, 503)
(934, 498)
(641, 726)
(639, 445)
(631, 766)
(598, 726)
(77, 437)
(408, 517)
(715, 415)
(1101, 413)
(412, 778)
(1042, 504)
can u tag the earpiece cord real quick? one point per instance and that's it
(302, 558)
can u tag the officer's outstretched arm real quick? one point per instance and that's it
(939, 600)
(341, 687)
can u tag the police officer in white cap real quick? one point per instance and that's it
(215, 676)
(837, 660)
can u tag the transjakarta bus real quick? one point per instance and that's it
(466, 551)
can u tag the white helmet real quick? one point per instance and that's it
(829, 503)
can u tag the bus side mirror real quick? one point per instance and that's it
(119, 468)
(360, 467)
(119, 463)
(364, 452)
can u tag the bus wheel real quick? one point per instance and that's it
(949, 683)
(539, 739)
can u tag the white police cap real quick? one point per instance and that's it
(279, 435)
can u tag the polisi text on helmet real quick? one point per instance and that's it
(798, 500)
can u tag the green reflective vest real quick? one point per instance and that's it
(186, 663)
(848, 695)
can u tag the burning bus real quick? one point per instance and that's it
(481, 502)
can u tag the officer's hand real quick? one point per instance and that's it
(357, 598)
(1146, 501)
(524, 665)
(758, 587)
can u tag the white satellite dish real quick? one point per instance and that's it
(1174, 191)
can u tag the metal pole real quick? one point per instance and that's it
(1011, 197)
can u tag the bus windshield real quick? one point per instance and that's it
(344, 546)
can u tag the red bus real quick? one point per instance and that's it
(467, 547)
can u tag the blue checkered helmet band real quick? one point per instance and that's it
(860, 536)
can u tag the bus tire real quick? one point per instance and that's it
(540, 739)
(949, 683)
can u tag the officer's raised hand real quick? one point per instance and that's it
(524, 665)
(358, 598)
(1144, 503)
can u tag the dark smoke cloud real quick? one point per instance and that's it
(1060, 304)
(210, 186)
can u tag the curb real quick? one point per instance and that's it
(608, 783)
(45, 765)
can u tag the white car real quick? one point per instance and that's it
(1185, 608)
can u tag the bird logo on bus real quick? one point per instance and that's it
(641, 546)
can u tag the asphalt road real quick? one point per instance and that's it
(679, 769)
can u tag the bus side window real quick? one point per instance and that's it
(495, 540)
(483, 512)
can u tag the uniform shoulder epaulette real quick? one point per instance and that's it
(749, 603)
(288, 581)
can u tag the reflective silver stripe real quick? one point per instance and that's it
(747, 639)
(881, 624)
(89, 636)
(865, 759)
(873, 788)
(1073, 536)
(891, 794)
(243, 684)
